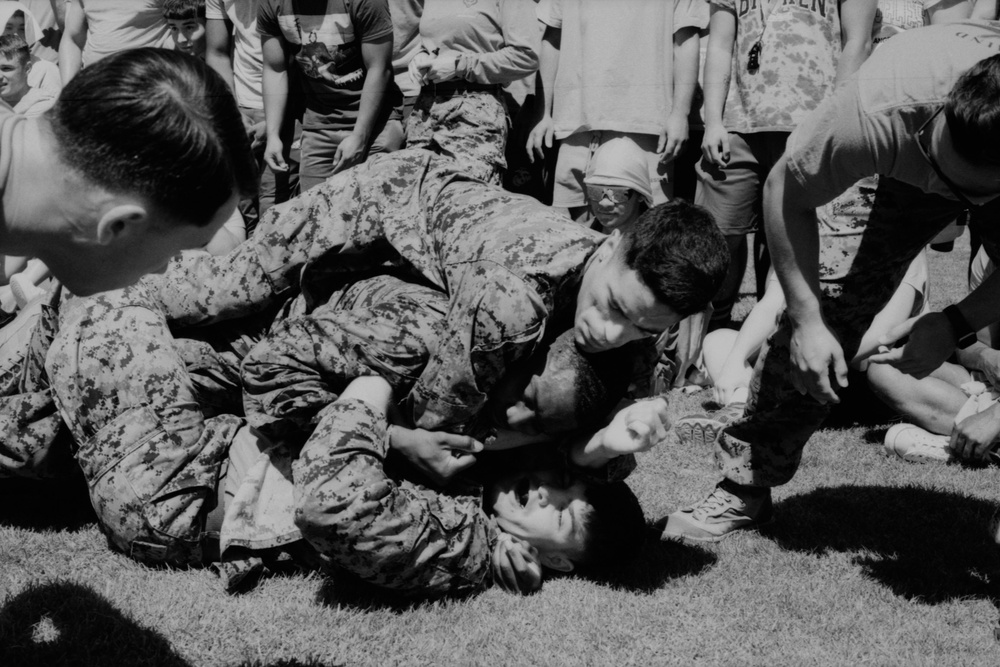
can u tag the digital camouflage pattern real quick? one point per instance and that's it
(511, 268)
(150, 457)
(34, 442)
(395, 534)
(868, 237)
(469, 128)
(381, 325)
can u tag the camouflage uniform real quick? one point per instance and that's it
(395, 534)
(34, 442)
(863, 258)
(382, 325)
(468, 127)
(510, 266)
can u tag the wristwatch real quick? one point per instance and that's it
(965, 334)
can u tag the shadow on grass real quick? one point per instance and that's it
(39, 505)
(925, 545)
(70, 624)
(657, 563)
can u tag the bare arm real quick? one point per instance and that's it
(275, 88)
(377, 57)
(73, 40)
(718, 70)
(856, 19)
(217, 49)
(685, 75)
(947, 11)
(541, 136)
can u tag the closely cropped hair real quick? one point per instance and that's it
(973, 112)
(12, 47)
(183, 10)
(158, 124)
(678, 253)
(616, 527)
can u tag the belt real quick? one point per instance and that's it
(455, 87)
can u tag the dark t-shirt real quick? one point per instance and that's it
(324, 37)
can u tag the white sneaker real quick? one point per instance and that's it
(916, 445)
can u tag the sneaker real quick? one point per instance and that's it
(23, 290)
(916, 445)
(729, 508)
(701, 430)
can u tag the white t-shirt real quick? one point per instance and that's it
(616, 61)
(248, 59)
(869, 125)
(119, 25)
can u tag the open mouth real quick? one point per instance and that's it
(521, 490)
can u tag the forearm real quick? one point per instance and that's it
(217, 50)
(856, 18)
(981, 307)
(73, 40)
(686, 54)
(376, 528)
(718, 64)
(274, 84)
(547, 67)
(793, 239)
(373, 95)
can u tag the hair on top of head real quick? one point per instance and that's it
(679, 254)
(582, 388)
(158, 124)
(615, 527)
(972, 110)
(183, 10)
(12, 47)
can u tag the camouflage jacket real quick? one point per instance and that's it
(393, 533)
(511, 268)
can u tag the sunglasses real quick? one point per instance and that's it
(616, 195)
(923, 144)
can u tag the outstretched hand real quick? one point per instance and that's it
(636, 428)
(439, 455)
(515, 565)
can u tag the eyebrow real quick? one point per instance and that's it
(618, 306)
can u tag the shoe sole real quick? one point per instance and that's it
(699, 432)
(917, 458)
(711, 539)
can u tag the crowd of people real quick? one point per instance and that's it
(398, 287)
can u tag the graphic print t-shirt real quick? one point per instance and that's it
(324, 38)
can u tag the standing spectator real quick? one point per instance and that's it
(97, 28)
(467, 52)
(614, 68)
(342, 50)
(783, 60)
(17, 19)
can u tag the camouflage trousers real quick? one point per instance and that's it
(469, 127)
(382, 326)
(869, 236)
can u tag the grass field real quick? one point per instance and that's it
(870, 561)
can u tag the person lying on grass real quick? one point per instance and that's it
(173, 479)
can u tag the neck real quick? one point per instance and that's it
(37, 190)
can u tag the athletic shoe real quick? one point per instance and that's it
(916, 445)
(728, 508)
(701, 430)
(23, 290)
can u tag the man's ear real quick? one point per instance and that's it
(120, 220)
(556, 561)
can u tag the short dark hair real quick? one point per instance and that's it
(615, 528)
(159, 124)
(586, 386)
(183, 10)
(13, 47)
(679, 254)
(972, 110)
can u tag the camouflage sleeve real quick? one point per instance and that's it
(150, 457)
(200, 288)
(397, 535)
(382, 325)
(34, 442)
(494, 319)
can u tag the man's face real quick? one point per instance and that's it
(614, 306)
(15, 25)
(978, 184)
(545, 508)
(13, 80)
(613, 206)
(189, 36)
(147, 248)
